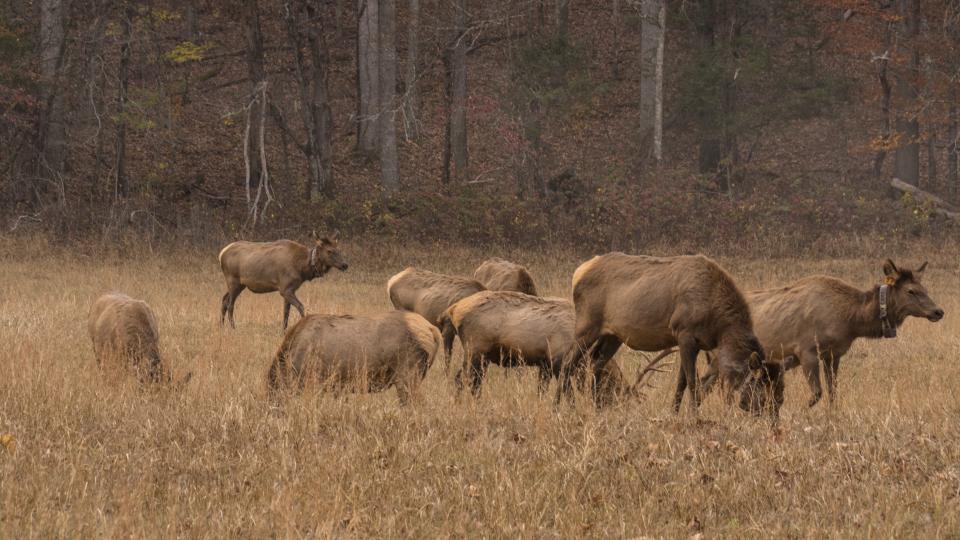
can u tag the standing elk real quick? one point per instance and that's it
(125, 335)
(430, 294)
(654, 303)
(818, 318)
(513, 329)
(497, 274)
(364, 354)
(283, 266)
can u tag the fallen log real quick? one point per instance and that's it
(940, 206)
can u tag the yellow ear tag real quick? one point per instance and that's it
(890, 281)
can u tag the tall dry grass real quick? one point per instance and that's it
(100, 459)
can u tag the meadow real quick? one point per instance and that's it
(86, 457)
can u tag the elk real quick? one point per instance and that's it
(514, 329)
(818, 318)
(430, 294)
(124, 333)
(282, 265)
(497, 274)
(655, 303)
(364, 354)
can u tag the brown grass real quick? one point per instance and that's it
(94, 458)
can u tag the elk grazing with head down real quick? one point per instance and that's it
(513, 329)
(125, 335)
(282, 266)
(818, 318)
(497, 274)
(363, 354)
(654, 303)
(430, 294)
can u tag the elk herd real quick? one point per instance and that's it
(686, 304)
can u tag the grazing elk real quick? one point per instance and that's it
(512, 329)
(125, 335)
(497, 274)
(818, 318)
(430, 294)
(654, 303)
(282, 266)
(364, 354)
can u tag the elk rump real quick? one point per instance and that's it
(354, 353)
(497, 274)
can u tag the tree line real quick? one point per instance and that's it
(87, 84)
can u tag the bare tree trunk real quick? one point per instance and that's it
(389, 166)
(122, 187)
(455, 151)
(885, 134)
(651, 77)
(52, 130)
(95, 83)
(615, 23)
(192, 29)
(906, 158)
(411, 128)
(255, 71)
(368, 75)
(315, 109)
(338, 19)
(322, 115)
(563, 20)
(953, 167)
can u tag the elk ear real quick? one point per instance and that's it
(890, 269)
(921, 269)
(314, 234)
(334, 236)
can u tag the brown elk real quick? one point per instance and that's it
(365, 354)
(514, 329)
(430, 294)
(124, 333)
(818, 318)
(283, 266)
(497, 274)
(654, 303)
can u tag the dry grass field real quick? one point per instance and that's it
(92, 458)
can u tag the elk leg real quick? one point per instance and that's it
(478, 367)
(810, 362)
(407, 387)
(710, 377)
(572, 360)
(234, 292)
(687, 376)
(606, 348)
(543, 383)
(290, 298)
(286, 313)
(831, 365)
(224, 304)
